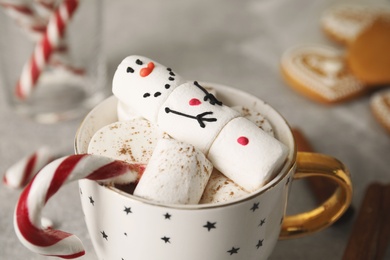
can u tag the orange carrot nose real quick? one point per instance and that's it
(144, 72)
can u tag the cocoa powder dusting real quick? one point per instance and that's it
(245, 111)
(114, 127)
(126, 150)
(205, 169)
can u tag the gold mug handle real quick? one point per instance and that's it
(310, 165)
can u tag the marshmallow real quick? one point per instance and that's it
(246, 154)
(177, 173)
(126, 113)
(130, 141)
(211, 90)
(144, 85)
(256, 117)
(189, 113)
(221, 189)
(188, 118)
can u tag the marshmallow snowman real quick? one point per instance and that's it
(189, 113)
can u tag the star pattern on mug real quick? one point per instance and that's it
(288, 180)
(127, 210)
(233, 251)
(262, 222)
(210, 225)
(255, 206)
(167, 216)
(104, 235)
(259, 243)
(166, 239)
(91, 200)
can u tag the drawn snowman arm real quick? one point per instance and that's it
(200, 117)
(209, 96)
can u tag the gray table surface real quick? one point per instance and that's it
(237, 43)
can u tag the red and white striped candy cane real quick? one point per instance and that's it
(44, 49)
(45, 7)
(27, 218)
(33, 20)
(19, 174)
(24, 15)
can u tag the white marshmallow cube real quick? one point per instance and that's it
(126, 113)
(187, 112)
(221, 189)
(130, 141)
(177, 173)
(256, 117)
(246, 154)
(201, 132)
(143, 85)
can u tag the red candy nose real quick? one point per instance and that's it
(144, 72)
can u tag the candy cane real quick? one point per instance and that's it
(33, 21)
(27, 218)
(26, 17)
(44, 49)
(45, 7)
(19, 174)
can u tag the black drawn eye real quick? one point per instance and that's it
(169, 69)
(167, 86)
(157, 94)
(130, 70)
(171, 73)
(171, 78)
(146, 95)
(139, 62)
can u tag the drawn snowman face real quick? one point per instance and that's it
(144, 85)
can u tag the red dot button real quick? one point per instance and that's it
(243, 140)
(194, 102)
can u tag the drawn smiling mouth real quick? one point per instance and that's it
(200, 117)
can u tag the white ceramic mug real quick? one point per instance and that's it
(123, 226)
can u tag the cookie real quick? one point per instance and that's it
(320, 73)
(380, 107)
(368, 56)
(343, 23)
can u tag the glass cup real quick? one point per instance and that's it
(58, 78)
